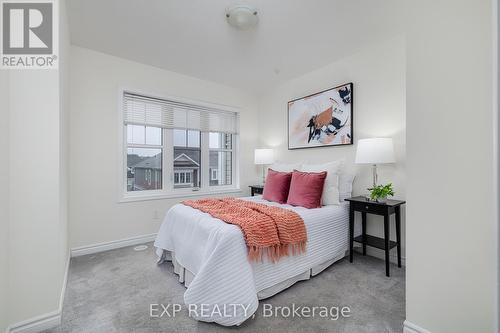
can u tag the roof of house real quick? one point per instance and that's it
(184, 158)
(153, 162)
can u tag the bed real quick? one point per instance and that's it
(210, 257)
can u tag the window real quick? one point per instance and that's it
(221, 158)
(187, 158)
(183, 178)
(214, 175)
(144, 158)
(174, 147)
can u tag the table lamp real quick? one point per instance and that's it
(375, 151)
(264, 156)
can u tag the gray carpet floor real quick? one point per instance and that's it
(112, 292)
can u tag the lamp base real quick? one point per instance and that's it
(375, 176)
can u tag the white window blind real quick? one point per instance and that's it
(148, 111)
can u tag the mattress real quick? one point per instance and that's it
(210, 257)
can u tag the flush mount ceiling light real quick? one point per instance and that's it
(242, 17)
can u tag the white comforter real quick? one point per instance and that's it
(215, 252)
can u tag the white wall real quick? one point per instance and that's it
(496, 110)
(37, 181)
(64, 76)
(95, 214)
(4, 197)
(451, 226)
(378, 74)
(34, 193)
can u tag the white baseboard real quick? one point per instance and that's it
(65, 283)
(37, 324)
(45, 321)
(409, 327)
(101, 247)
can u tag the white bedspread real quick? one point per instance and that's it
(215, 252)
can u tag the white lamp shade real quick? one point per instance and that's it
(264, 156)
(375, 151)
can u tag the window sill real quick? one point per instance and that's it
(161, 196)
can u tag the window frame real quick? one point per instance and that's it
(186, 173)
(168, 190)
(127, 145)
(216, 174)
(223, 150)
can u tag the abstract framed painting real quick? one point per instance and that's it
(322, 119)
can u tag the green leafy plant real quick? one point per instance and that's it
(381, 191)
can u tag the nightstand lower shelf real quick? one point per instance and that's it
(373, 241)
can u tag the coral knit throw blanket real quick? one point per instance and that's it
(271, 232)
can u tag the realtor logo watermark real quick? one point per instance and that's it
(29, 34)
(207, 311)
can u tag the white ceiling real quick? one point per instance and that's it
(192, 37)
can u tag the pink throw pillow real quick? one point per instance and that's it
(306, 189)
(277, 186)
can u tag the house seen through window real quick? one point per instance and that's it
(187, 158)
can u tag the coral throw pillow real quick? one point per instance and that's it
(277, 186)
(331, 189)
(306, 189)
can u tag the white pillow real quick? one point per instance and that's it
(345, 185)
(285, 167)
(331, 187)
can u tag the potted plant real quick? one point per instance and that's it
(380, 193)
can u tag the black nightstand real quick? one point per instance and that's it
(361, 204)
(256, 189)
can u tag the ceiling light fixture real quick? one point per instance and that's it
(242, 17)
